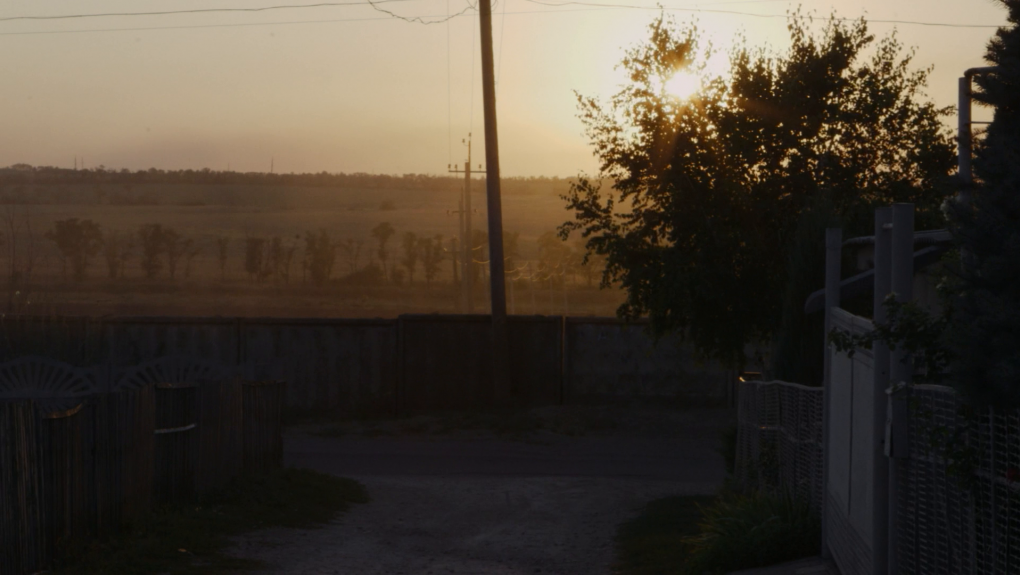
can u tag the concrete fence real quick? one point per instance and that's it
(409, 364)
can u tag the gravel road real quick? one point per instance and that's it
(471, 502)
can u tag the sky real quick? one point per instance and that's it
(352, 89)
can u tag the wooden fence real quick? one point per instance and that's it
(78, 469)
(414, 363)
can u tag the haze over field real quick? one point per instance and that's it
(350, 89)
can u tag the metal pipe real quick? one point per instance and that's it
(964, 136)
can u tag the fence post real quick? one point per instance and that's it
(833, 260)
(883, 561)
(900, 369)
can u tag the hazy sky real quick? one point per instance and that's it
(351, 89)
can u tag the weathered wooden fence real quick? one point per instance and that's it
(79, 467)
(410, 364)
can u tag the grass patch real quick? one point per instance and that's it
(754, 530)
(694, 535)
(191, 540)
(653, 542)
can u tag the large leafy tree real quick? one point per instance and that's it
(704, 194)
(984, 332)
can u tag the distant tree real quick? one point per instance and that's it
(431, 252)
(176, 246)
(382, 234)
(117, 248)
(255, 258)
(352, 252)
(152, 240)
(280, 257)
(707, 191)
(222, 251)
(78, 241)
(320, 253)
(410, 259)
(553, 258)
(190, 253)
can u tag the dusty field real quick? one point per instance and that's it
(494, 500)
(200, 288)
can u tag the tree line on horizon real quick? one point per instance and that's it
(394, 258)
(19, 181)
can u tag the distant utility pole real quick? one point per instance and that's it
(497, 281)
(456, 262)
(465, 230)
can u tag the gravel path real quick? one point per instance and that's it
(471, 503)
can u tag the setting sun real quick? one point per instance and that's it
(682, 85)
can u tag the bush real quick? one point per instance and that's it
(754, 530)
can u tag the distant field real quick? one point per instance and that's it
(207, 212)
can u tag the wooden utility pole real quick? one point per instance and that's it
(500, 341)
(465, 240)
(454, 250)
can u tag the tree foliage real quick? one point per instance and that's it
(320, 253)
(706, 192)
(78, 242)
(984, 332)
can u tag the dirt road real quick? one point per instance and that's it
(474, 503)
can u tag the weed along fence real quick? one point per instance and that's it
(78, 463)
(907, 477)
(384, 366)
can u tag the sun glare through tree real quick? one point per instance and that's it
(683, 84)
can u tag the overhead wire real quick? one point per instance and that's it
(759, 15)
(375, 4)
(198, 10)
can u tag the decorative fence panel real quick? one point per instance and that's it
(779, 439)
(959, 508)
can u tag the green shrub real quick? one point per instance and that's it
(754, 530)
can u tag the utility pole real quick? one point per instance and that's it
(497, 282)
(456, 261)
(465, 240)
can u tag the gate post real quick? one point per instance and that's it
(882, 557)
(833, 260)
(900, 368)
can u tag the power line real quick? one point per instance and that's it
(758, 15)
(197, 11)
(587, 7)
(373, 3)
(418, 19)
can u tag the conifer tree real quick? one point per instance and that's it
(985, 330)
